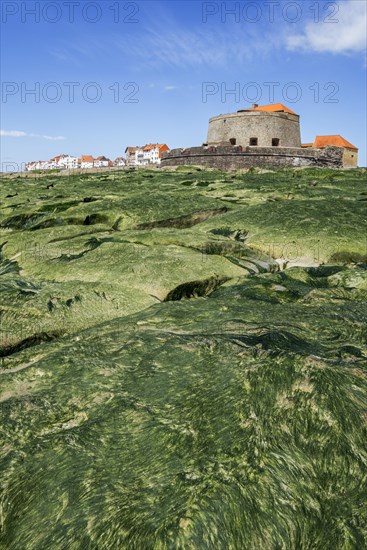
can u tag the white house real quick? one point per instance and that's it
(139, 157)
(147, 154)
(86, 161)
(153, 152)
(101, 162)
(131, 154)
(119, 161)
(60, 162)
(68, 162)
(37, 165)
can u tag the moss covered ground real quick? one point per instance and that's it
(183, 360)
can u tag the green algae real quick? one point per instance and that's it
(170, 387)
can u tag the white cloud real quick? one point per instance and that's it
(12, 133)
(347, 34)
(170, 88)
(53, 138)
(167, 43)
(16, 133)
(203, 46)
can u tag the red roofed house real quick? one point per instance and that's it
(87, 161)
(147, 154)
(153, 152)
(101, 162)
(162, 147)
(65, 161)
(350, 153)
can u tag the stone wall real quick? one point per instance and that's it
(244, 125)
(350, 158)
(234, 158)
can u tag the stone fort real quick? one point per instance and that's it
(268, 135)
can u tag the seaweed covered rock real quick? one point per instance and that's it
(189, 368)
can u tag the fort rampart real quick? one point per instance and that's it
(244, 126)
(229, 157)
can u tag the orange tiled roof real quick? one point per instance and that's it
(323, 141)
(87, 158)
(162, 147)
(131, 149)
(272, 108)
(150, 146)
(58, 157)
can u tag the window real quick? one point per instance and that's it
(352, 156)
(253, 141)
(232, 141)
(275, 142)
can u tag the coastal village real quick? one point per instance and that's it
(148, 154)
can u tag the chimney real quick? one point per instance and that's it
(254, 105)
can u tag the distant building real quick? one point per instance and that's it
(36, 165)
(65, 162)
(61, 162)
(119, 161)
(153, 152)
(86, 161)
(102, 162)
(139, 156)
(135, 156)
(350, 152)
(70, 162)
(146, 154)
(130, 153)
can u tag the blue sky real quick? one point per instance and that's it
(110, 74)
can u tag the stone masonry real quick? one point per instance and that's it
(229, 157)
(243, 126)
